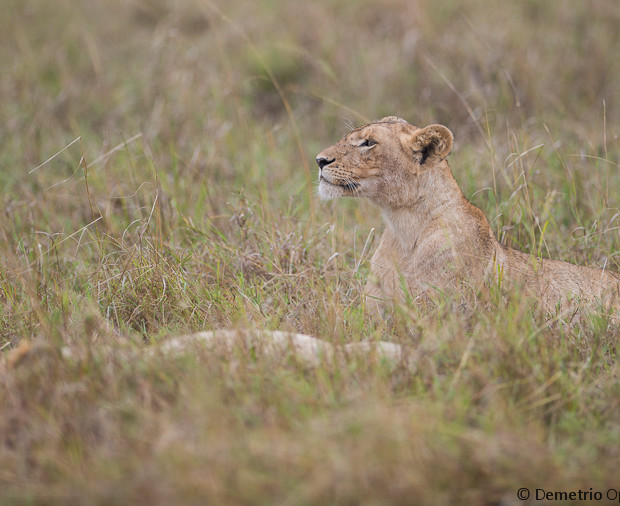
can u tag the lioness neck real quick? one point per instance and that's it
(433, 202)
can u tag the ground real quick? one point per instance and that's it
(157, 178)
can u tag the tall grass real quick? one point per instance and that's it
(173, 144)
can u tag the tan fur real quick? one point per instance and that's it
(435, 239)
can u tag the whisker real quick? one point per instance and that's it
(351, 185)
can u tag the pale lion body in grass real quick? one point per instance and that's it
(434, 238)
(237, 345)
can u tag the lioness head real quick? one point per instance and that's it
(381, 159)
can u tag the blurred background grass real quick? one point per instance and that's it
(187, 202)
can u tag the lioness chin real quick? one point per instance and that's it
(434, 237)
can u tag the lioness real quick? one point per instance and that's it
(434, 237)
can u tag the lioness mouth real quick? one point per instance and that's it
(347, 186)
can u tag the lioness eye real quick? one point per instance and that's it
(368, 143)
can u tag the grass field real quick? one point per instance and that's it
(157, 177)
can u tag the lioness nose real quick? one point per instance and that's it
(322, 161)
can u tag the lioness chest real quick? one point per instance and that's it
(436, 262)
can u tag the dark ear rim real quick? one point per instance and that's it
(433, 140)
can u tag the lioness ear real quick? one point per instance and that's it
(432, 141)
